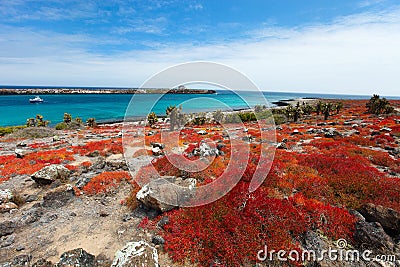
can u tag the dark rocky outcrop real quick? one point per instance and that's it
(21, 260)
(59, 197)
(370, 235)
(388, 218)
(42, 263)
(76, 257)
(157, 240)
(6, 228)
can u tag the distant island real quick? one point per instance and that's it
(51, 91)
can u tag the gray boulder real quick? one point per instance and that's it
(51, 173)
(331, 132)
(204, 150)
(20, 153)
(116, 162)
(136, 254)
(174, 191)
(159, 145)
(281, 145)
(162, 222)
(32, 215)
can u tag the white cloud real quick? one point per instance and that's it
(196, 6)
(358, 54)
(367, 3)
(22, 10)
(146, 25)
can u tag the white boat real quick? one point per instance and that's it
(37, 99)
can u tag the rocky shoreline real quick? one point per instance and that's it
(286, 102)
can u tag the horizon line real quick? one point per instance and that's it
(217, 89)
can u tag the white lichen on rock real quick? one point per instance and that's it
(138, 254)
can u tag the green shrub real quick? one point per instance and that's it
(247, 116)
(9, 129)
(62, 126)
(279, 119)
(69, 123)
(264, 114)
(232, 118)
(259, 108)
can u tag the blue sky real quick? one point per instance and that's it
(309, 46)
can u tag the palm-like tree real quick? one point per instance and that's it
(378, 105)
(152, 119)
(293, 112)
(318, 107)
(326, 109)
(338, 107)
(176, 117)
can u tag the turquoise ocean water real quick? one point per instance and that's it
(15, 109)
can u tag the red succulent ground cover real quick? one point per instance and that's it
(311, 186)
(104, 147)
(233, 228)
(11, 165)
(106, 181)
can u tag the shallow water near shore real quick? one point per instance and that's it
(15, 109)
